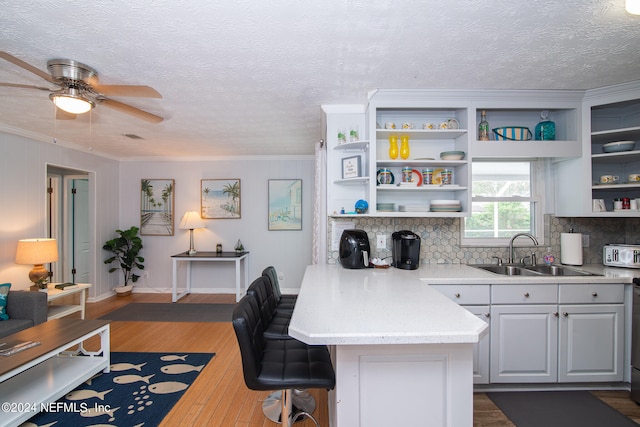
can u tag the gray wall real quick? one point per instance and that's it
(23, 173)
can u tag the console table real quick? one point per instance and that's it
(57, 310)
(46, 372)
(236, 257)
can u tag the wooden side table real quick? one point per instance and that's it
(58, 310)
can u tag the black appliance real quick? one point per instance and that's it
(405, 250)
(354, 249)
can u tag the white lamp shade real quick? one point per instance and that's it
(36, 251)
(191, 220)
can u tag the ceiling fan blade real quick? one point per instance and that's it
(63, 115)
(133, 111)
(20, 63)
(127, 90)
(26, 86)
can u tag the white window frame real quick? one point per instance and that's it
(538, 171)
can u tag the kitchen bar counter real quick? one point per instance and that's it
(402, 351)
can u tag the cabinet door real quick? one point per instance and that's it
(591, 343)
(524, 343)
(481, 349)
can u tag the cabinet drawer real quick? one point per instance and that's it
(466, 294)
(524, 294)
(590, 293)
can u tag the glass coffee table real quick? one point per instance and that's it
(38, 375)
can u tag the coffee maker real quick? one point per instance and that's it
(405, 250)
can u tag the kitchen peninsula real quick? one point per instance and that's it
(402, 351)
(402, 348)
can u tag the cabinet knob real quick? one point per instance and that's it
(526, 294)
(565, 314)
(457, 295)
(595, 294)
(487, 315)
(555, 313)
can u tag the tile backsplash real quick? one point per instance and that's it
(440, 242)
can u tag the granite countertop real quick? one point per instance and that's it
(461, 274)
(339, 306)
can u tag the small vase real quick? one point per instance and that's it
(393, 147)
(404, 147)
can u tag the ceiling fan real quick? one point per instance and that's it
(79, 90)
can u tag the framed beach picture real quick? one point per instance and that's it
(285, 204)
(156, 207)
(220, 198)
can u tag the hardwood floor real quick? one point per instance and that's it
(219, 396)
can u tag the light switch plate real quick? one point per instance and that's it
(381, 241)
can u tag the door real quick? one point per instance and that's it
(591, 343)
(68, 221)
(77, 193)
(524, 344)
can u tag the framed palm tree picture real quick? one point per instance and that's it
(220, 198)
(156, 207)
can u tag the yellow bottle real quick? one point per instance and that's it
(393, 147)
(404, 147)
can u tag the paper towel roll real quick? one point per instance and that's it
(571, 248)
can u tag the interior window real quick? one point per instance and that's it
(504, 203)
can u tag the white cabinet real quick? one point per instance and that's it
(475, 299)
(547, 333)
(591, 334)
(609, 114)
(426, 123)
(524, 333)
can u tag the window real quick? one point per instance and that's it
(504, 202)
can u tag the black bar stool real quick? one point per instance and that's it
(283, 301)
(279, 364)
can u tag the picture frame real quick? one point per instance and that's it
(157, 207)
(285, 204)
(220, 198)
(351, 167)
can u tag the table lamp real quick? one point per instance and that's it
(191, 220)
(37, 252)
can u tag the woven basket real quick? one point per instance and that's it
(512, 133)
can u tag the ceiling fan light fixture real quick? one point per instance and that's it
(633, 7)
(72, 101)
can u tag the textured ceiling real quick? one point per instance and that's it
(248, 77)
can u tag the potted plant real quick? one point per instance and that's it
(125, 249)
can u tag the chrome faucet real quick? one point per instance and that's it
(511, 250)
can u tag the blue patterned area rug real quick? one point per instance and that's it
(139, 391)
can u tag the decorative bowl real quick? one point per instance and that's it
(452, 155)
(614, 147)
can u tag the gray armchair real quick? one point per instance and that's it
(25, 309)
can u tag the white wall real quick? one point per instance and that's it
(288, 251)
(23, 172)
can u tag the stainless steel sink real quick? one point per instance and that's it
(508, 270)
(556, 270)
(531, 270)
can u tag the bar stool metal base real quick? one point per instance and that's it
(302, 401)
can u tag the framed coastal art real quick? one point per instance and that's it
(285, 204)
(220, 198)
(156, 207)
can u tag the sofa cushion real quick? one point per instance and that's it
(4, 292)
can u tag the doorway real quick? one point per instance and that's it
(68, 221)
